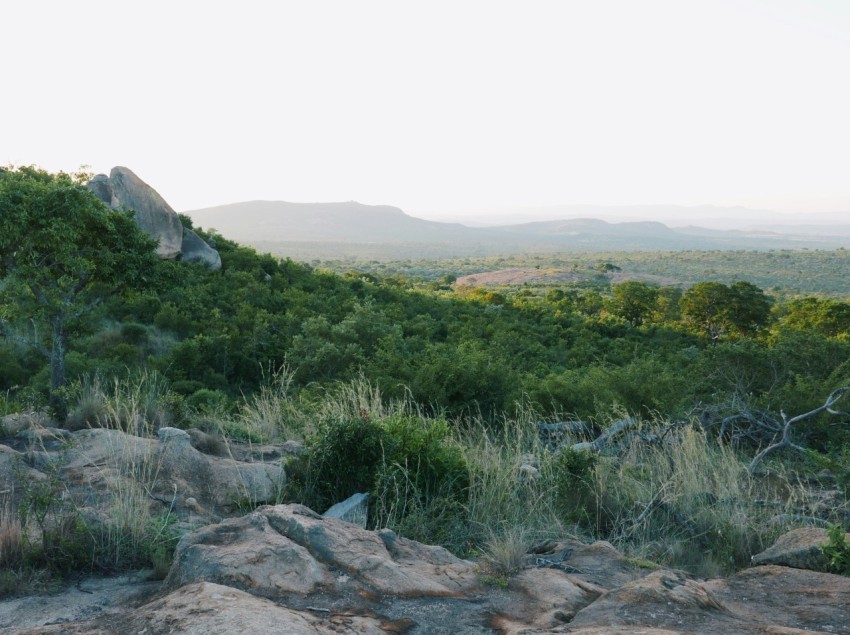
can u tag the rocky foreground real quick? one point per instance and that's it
(287, 569)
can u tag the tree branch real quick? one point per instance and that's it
(785, 441)
(34, 343)
(602, 441)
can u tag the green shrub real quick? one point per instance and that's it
(572, 475)
(396, 455)
(342, 459)
(208, 401)
(838, 551)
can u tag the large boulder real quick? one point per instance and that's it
(193, 249)
(799, 548)
(123, 189)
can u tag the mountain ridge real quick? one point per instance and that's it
(350, 222)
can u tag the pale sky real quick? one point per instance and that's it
(439, 106)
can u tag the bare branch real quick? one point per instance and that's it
(785, 441)
(34, 342)
(604, 439)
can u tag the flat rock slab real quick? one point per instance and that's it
(90, 599)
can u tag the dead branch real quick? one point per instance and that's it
(785, 441)
(604, 439)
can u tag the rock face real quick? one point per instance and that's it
(288, 550)
(95, 464)
(123, 189)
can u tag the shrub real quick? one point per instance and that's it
(572, 476)
(342, 459)
(207, 401)
(408, 462)
(837, 550)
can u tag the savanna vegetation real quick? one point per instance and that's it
(784, 273)
(429, 395)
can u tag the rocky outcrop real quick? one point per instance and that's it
(286, 551)
(95, 465)
(285, 569)
(123, 189)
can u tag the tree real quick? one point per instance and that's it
(718, 310)
(634, 301)
(62, 252)
(829, 317)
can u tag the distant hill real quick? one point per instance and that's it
(330, 222)
(323, 230)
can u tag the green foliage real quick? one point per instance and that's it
(572, 475)
(208, 401)
(837, 550)
(634, 301)
(718, 310)
(822, 315)
(61, 252)
(397, 452)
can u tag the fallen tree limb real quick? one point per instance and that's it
(604, 439)
(785, 441)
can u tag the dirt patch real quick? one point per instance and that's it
(533, 275)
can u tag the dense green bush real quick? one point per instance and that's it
(395, 453)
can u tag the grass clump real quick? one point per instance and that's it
(503, 554)
(139, 404)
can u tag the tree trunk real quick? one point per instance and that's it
(57, 366)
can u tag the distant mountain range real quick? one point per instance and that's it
(265, 223)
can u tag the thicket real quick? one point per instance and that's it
(573, 350)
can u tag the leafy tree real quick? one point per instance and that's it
(634, 301)
(750, 308)
(62, 251)
(829, 317)
(719, 310)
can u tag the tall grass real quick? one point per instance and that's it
(501, 498)
(271, 414)
(131, 532)
(139, 404)
(689, 502)
(671, 494)
(479, 487)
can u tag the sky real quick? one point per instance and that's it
(440, 108)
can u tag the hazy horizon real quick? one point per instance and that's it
(707, 216)
(442, 109)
